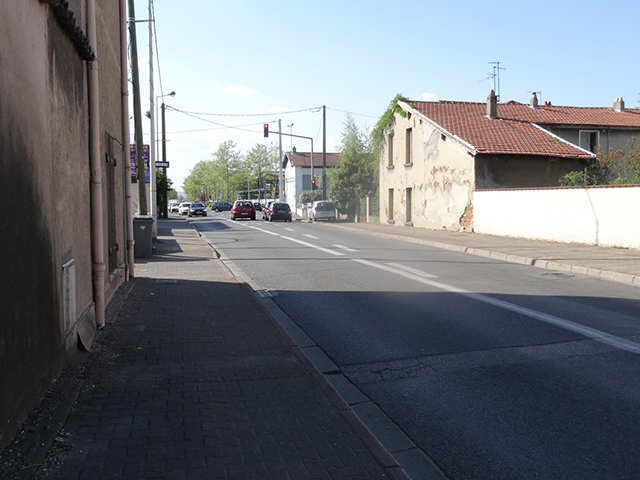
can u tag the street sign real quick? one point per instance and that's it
(162, 164)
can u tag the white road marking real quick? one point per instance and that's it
(289, 229)
(310, 236)
(344, 248)
(592, 333)
(322, 249)
(263, 230)
(412, 270)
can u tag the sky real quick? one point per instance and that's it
(239, 64)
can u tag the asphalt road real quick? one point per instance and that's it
(495, 370)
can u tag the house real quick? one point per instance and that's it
(66, 237)
(439, 153)
(297, 173)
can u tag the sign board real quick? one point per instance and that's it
(132, 159)
(162, 164)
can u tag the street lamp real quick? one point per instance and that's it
(291, 131)
(163, 212)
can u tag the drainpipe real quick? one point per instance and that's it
(124, 78)
(97, 226)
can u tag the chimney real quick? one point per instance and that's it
(492, 105)
(294, 149)
(618, 105)
(534, 100)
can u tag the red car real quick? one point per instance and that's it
(243, 209)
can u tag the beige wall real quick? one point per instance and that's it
(440, 176)
(604, 215)
(46, 181)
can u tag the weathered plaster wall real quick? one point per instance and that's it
(440, 177)
(605, 216)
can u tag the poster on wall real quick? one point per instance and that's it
(132, 159)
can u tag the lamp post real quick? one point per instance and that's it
(291, 131)
(164, 152)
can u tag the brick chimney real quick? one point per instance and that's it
(492, 105)
(618, 105)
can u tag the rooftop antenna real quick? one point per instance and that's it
(496, 78)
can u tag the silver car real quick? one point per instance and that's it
(184, 208)
(322, 210)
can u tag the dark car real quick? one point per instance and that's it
(197, 208)
(280, 211)
(257, 206)
(243, 209)
(221, 206)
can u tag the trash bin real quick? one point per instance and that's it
(142, 235)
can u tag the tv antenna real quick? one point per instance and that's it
(496, 78)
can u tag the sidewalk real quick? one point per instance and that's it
(196, 380)
(615, 264)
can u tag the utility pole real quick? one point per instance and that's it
(153, 148)
(280, 172)
(324, 152)
(164, 162)
(143, 208)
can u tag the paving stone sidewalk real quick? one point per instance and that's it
(195, 380)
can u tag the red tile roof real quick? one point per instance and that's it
(303, 159)
(515, 131)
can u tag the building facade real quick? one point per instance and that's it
(65, 239)
(438, 153)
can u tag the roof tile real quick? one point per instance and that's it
(515, 131)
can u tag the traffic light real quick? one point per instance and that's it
(266, 130)
(313, 184)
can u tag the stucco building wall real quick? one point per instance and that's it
(46, 188)
(440, 176)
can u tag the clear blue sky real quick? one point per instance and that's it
(256, 57)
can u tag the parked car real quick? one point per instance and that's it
(265, 210)
(197, 208)
(174, 207)
(243, 209)
(279, 211)
(322, 209)
(184, 208)
(221, 206)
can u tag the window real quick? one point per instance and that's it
(306, 182)
(408, 157)
(408, 212)
(390, 151)
(391, 204)
(589, 140)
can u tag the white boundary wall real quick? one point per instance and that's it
(607, 216)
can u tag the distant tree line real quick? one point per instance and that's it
(229, 174)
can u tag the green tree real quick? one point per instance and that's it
(163, 187)
(355, 178)
(619, 167)
(261, 163)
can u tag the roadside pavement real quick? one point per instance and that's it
(614, 264)
(196, 380)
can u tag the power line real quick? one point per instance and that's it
(221, 125)
(251, 114)
(352, 113)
